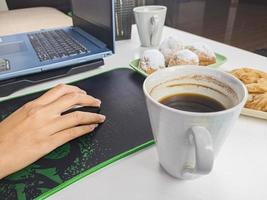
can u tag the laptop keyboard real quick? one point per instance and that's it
(54, 44)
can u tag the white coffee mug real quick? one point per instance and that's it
(150, 21)
(187, 142)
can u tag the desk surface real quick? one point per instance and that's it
(240, 170)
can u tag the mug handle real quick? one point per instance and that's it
(154, 21)
(204, 154)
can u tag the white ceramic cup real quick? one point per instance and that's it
(150, 21)
(187, 142)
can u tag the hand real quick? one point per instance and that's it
(38, 127)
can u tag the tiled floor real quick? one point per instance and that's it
(241, 23)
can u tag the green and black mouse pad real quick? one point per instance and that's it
(126, 130)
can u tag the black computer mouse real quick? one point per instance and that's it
(83, 109)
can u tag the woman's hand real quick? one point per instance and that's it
(38, 127)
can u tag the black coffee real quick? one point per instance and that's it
(192, 103)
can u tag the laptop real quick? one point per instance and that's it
(90, 38)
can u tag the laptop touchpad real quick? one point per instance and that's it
(12, 47)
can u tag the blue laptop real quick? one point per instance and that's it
(91, 37)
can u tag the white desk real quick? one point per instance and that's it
(240, 171)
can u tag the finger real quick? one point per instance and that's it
(75, 119)
(69, 100)
(56, 92)
(65, 136)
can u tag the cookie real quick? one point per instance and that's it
(151, 61)
(256, 83)
(248, 75)
(204, 52)
(259, 87)
(169, 47)
(184, 57)
(257, 102)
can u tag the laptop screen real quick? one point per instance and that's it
(96, 18)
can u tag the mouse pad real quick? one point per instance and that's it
(125, 131)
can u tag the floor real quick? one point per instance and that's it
(240, 23)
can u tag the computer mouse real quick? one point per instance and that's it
(83, 109)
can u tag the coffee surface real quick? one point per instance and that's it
(192, 103)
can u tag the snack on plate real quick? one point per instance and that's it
(259, 87)
(152, 60)
(173, 52)
(248, 75)
(205, 54)
(256, 83)
(184, 57)
(169, 47)
(257, 102)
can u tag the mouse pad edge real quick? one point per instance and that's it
(95, 169)
(8, 98)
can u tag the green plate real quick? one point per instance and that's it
(220, 59)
